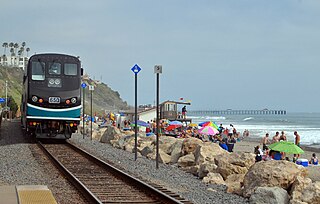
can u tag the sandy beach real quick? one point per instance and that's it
(248, 144)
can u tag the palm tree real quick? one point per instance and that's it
(5, 45)
(16, 46)
(27, 50)
(12, 51)
(12, 54)
(23, 44)
(21, 51)
(11, 44)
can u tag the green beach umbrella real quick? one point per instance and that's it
(287, 147)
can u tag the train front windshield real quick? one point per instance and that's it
(56, 75)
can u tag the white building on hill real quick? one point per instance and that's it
(14, 61)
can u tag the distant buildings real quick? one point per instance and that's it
(18, 56)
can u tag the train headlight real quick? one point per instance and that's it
(57, 81)
(67, 101)
(73, 100)
(40, 100)
(51, 81)
(34, 98)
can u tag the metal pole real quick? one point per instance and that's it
(157, 150)
(91, 116)
(6, 94)
(135, 116)
(83, 109)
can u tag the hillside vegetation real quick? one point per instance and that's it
(104, 98)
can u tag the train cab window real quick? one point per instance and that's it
(70, 69)
(38, 71)
(54, 68)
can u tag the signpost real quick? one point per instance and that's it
(157, 71)
(135, 69)
(83, 85)
(6, 93)
(91, 88)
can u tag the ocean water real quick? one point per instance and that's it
(307, 125)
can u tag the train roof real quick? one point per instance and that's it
(52, 55)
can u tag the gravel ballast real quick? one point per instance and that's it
(171, 177)
(23, 163)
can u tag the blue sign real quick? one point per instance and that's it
(83, 85)
(136, 69)
(2, 100)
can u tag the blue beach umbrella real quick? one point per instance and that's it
(140, 123)
(175, 122)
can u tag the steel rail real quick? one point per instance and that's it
(75, 181)
(163, 196)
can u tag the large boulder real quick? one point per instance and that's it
(298, 186)
(311, 193)
(163, 157)
(189, 145)
(226, 168)
(166, 143)
(119, 140)
(207, 152)
(234, 183)
(109, 134)
(191, 169)
(272, 173)
(96, 135)
(269, 195)
(146, 150)
(176, 151)
(213, 178)
(205, 168)
(187, 160)
(243, 159)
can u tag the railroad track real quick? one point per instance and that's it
(100, 182)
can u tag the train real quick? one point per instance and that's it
(51, 97)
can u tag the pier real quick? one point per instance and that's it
(237, 112)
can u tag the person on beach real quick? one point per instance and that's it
(283, 136)
(258, 152)
(245, 133)
(154, 126)
(314, 159)
(220, 129)
(297, 141)
(265, 141)
(184, 111)
(230, 130)
(276, 138)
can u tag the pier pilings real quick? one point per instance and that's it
(237, 112)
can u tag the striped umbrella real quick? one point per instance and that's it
(208, 130)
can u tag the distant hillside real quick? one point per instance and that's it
(104, 98)
(14, 77)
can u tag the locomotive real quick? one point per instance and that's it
(51, 98)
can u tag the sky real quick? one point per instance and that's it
(227, 54)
